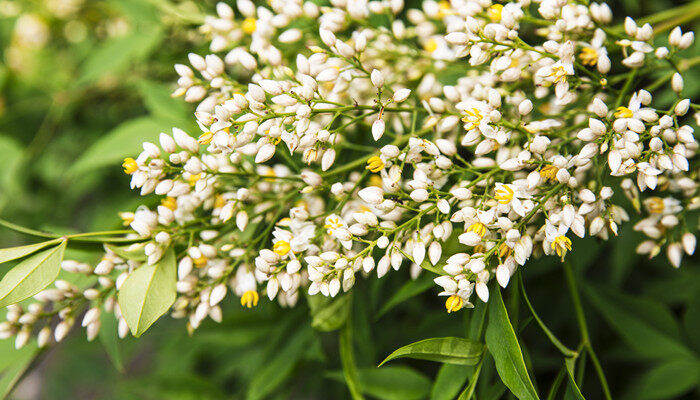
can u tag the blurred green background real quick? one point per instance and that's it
(84, 82)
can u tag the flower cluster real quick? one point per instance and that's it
(340, 141)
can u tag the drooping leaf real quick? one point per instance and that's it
(570, 364)
(505, 349)
(110, 340)
(13, 364)
(646, 326)
(329, 314)
(31, 275)
(449, 350)
(147, 293)
(115, 55)
(347, 358)
(123, 141)
(449, 381)
(390, 383)
(13, 253)
(161, 105)
(668, 380)
(131, 252)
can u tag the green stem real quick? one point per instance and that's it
(78, 237)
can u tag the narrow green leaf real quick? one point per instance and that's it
(390, 383)
(14, 253)
(110, 340)
(330, 314)
(123, 141)
(503, 346)
(160, 104)
(570, 364)
(115, 55)
(552, 338)
(449, 381)
(147, 293)
(468, 391)
(668, 380)
(13, 364)
(449, 350)
(409, 289)
(133, 252)
(31, 276)
(653, 335)
(347, 358)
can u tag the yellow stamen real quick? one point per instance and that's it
(561, 245)
(219, 201)
(588, 56)
(655, 205)
(375, 164)
(205, 138)
(281, 248)
(504, 251)
(472, 119)
(250, 299)
(194, 178)
(430, 45)
(504, 195)
(623, 112)
(478, 228)
(130, 166)
(169, 202)
(454, 303)
(127, 218)
(559, 74)
(549, 172)
(200, 262)
(249, 25)
(494, 12)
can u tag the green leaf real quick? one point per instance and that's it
(449, 350)
(570, 364)
(646, 326)
(11, 154)
(409, 289)
(13, 364)
(329, 314)
(390, 383)
(347, 358)
(110, 340)
(31, 275)
(115, 55)
(691, 321)
(147, 293)
(449, 381)
(14, 253)
(668, 380)
(123, 141)
(131, 252)
(503, 346)
(161, 105)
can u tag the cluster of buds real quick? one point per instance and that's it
(460, 139)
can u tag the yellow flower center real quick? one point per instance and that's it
(655, 205)
(504, 195)
(454, 303)
(219, 201)
(623, 112)
(130, 166)
(549, 172)
(588, 56)
(561, 244)
(200, 262)
(472, 119)
(127, 218)
(250, 299)
(310, 156)
(169, 202)
(494, 12)
(559, 74)
(444, 9)
(194, 178)
(504, 251)
(375, 164)
(430, 45)
(249, 25)
(478, 228)
(281, 248)
(332, 224)
(205, 138)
